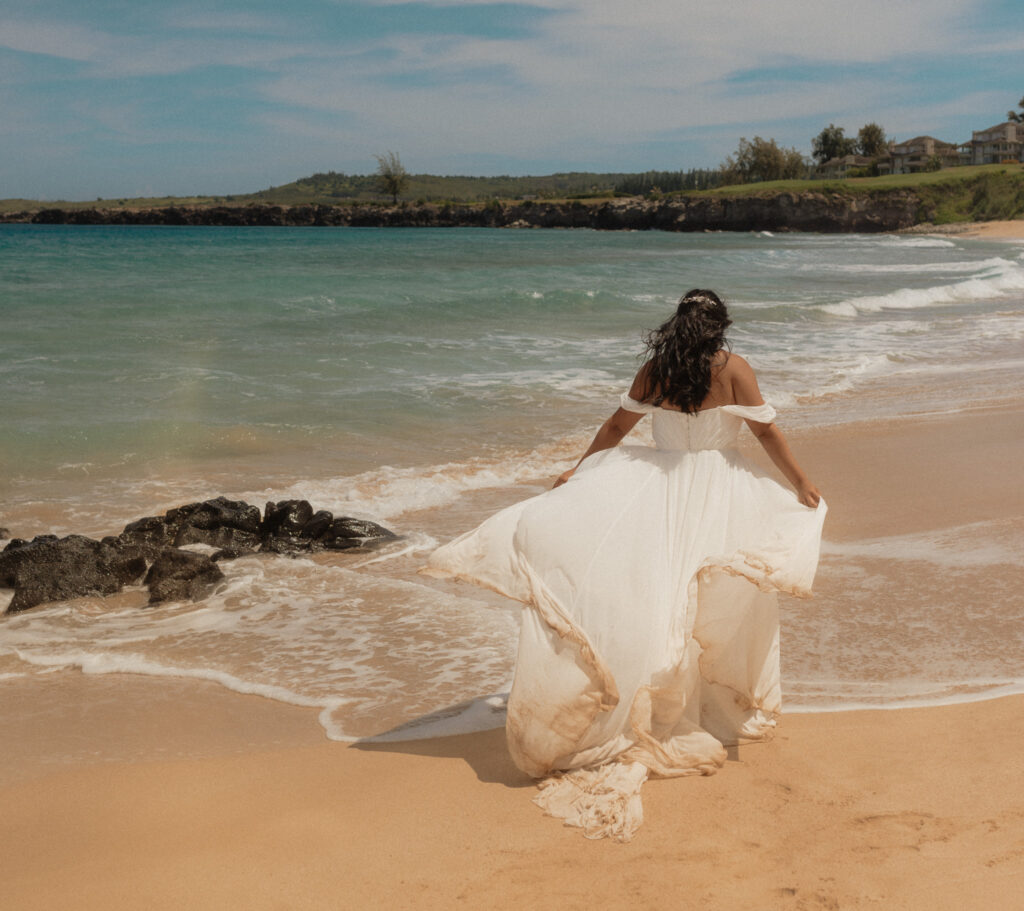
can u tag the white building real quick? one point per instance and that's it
(918, 154)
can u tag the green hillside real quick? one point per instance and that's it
(333, 189)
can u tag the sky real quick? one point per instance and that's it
(104, 98)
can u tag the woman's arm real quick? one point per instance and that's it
(615, 428)
(610, 435)
(746, 392)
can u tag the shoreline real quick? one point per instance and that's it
(996, 230)
(999, 229)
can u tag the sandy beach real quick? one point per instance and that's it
(920, 809)
(129, 792)
(995, 230)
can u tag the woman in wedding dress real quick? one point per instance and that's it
(650, 636)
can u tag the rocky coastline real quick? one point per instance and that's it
(805, 211)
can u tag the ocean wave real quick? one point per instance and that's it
(385, 493)
(904, 240)
(591, 383)
(1005, 281)
(787, 384)
(954, 266)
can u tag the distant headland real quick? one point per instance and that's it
(869, 204)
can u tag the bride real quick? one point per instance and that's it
(650, 637)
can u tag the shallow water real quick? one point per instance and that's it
(423, 378)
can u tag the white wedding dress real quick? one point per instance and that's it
(651, 632)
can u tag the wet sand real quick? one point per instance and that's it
(127, 792)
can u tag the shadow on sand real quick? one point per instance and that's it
(481, 746)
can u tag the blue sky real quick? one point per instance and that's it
(152, 97)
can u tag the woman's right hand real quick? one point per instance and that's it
(562, 478)
(808, 494)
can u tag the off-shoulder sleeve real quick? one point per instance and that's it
(633, 405)
(763, 414)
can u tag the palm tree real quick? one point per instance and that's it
(1013, 116)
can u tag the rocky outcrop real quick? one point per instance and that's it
(291, 527)
(808, 210)
(220, 523)
(179, 574)
(49, 568)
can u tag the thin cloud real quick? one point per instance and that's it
(588, 84)
(54, 39)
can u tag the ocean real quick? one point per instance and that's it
(423, 378)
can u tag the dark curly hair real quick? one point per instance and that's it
(681, 350)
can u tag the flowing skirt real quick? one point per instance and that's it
(650, 638)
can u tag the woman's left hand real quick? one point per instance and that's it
(562, 478)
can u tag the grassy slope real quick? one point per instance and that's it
(977, 193)
(974, 193)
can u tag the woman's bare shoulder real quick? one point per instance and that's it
(743, 381)
(641, 389)
(733, 365)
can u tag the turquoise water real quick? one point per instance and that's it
(150, 345)
(420, 377)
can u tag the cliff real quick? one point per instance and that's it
(803, 211)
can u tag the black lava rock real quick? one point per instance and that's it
(49, 568)
(219, 522)
(179, 574)
(57, 569)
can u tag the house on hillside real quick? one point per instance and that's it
(1003, 142)
(919, 154)
(840, 168)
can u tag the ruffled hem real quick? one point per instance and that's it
(598, 789)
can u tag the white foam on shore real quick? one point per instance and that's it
(369, 651)
(114, 663)
(855, 696)
(978, 544)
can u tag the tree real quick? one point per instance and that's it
(762, 159)
(871, 140)
(1013, 116)
(831, 142)
(392, 178)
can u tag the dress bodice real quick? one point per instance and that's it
(713, 428)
